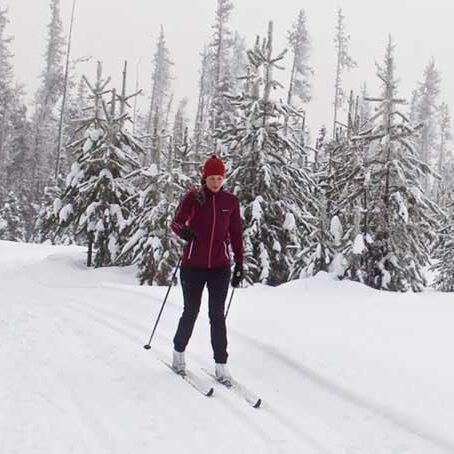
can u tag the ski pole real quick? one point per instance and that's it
(147, 346)
(230, 302)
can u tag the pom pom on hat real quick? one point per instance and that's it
(213, 166)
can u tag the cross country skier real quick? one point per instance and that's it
(208, 218)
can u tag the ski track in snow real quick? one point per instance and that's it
(377, 410)
(99, 315)
(75, 379)
(237, 410)
(123, 329)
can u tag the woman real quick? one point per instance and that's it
(209, 220)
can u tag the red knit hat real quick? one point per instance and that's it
(213, 166)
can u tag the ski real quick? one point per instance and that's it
(238, 389)
(197, 383)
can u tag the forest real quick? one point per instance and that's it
(367, 197)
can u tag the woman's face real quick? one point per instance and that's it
(214, 182)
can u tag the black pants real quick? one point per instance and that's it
(193, 281)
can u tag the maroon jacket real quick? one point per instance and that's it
(217, 224)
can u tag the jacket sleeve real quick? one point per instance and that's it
(236, 233)
(183, 212)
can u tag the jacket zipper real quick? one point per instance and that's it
(190, 249)
(212, 232)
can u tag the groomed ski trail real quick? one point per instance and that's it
(73, 352)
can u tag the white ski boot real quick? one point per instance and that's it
(178, 362)
(222, 374)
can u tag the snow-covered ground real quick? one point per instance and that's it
(341, 368)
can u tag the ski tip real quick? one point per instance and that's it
(258, 403)
(210, 392)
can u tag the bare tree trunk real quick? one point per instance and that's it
(90, 249)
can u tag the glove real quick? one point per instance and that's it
(188, 234)
(237, 274)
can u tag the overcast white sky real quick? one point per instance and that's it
(115, 30)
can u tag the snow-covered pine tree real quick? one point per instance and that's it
(364, 109)
(401, 219)
(180, 123)
(238, 62)
(151, 244)
(346, 194)
(184, 155)
(78, 103)
(45, 116)
(45, 221)
(202, 132)
(15, 159)
(220, 49)
(44, 228)
(426, 113)
(12, 225)
(336, 164)
(274, 192)
(159, 100)
(96, 201)
(299, 89)
(67, 85)
(318, 250)
(344, 63)
(17, 146)
(444, 158)
(443, 250)
(412, 111)
(6, 94)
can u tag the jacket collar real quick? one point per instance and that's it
(208, 192)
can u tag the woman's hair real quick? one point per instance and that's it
(200, 194)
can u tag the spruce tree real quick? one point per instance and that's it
(45, 118)
(344, 63)
(6, 96)
(15, 153)
(319, 248)
(12, 225)
(180, 123)
(443, 158)
(399, 220)
(443, 251)
(97, 198)
(182, 150)
(151, 244)
(274, 191)
(299, 90)
(159, 100)
(238, 62)
(202, 128)
(365, 108)
(426, 113)
(443, 248)
(220, 53)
